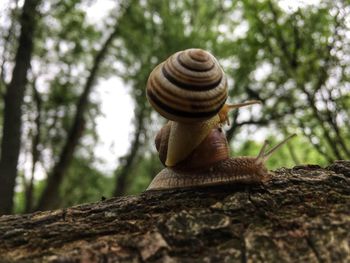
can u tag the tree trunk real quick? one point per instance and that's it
(11, 133)
(29, 186)
(301, 215)
(50, 195)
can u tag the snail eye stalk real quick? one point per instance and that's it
(223, 113)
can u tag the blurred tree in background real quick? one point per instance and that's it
(295, 60)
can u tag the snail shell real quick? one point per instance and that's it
(161, 142)
(190, 89)
(189, 86)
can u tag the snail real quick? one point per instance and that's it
(190, 90)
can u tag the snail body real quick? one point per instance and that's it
(222, 170)
(243, 170)
(190, 90)
(211, 150)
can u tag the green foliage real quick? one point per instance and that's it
(83, 183)
(142, 175)
(283, 157)
(300, 53)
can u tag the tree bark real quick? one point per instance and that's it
(11, 129)
(301, 215)
(50, 195)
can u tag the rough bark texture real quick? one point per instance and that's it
(301, 215)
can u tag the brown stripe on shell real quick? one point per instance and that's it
(193, 63)
(198, 54)
(192, 86)
(190, 83)
(196, 78)
(179, 113)
(173, 99)
(158, 81)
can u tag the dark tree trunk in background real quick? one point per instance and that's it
(50, 195)
(29, 187)
(301, 215)
(11, 134)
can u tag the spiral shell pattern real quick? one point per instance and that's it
(189, 86)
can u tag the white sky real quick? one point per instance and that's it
(115, 126)
(293, 5)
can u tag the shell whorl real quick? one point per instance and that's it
(189, 86)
